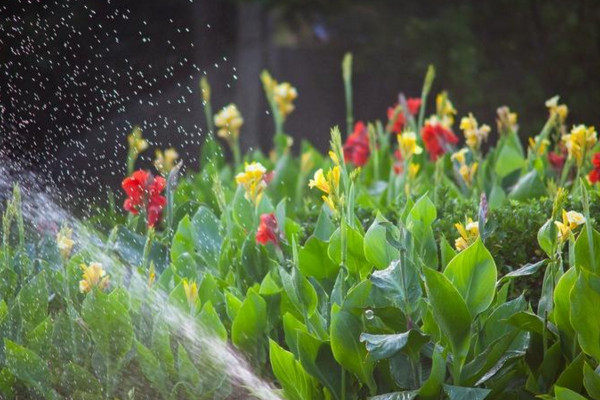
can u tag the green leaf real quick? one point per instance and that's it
(525, 270)
(399, 284)
(151, 368)
(324, 228)
(300, 292)
(547, 237)
(591, 381)
(583, 258)
(75, 378)
(33, 300)
(356, 262)
(465, 393)
(473, 272)
(347, 350)
(433, 385)
(317, 359)
(407, 395)
(572, 376)
(450, 311)
(419, 222)
(385, 346)
(562, 305)
(509, 159)
(378, 251)
(529, 186)
(211, 323)
(207, 236)
(186, 369)
(314, 261)
(109, 324)
(248, 326)
(28, 367)
(566, 394)
(296, 382)
(242, 210)
(585, 301)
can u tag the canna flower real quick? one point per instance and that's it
(594, 175)
(144, 193)
(570, 221)
(468, 234)
(581, 139)
(229, 121)
(328, 184)
(306, 162)
(284, 95)
(460, 156)
(407, 144)
(465, 170)
(506, 121)
(164, 162)
(268, 231)
(64, 242)
(94, 276)
(474, 134)
(413, 104)
(413, 170)
(437, 138)
(543, 146)
(396, 119)
(191, 291)
(445, 109)
(137, 144)
(399, 163)
(253, 180)
(559, 110)
(356, 149)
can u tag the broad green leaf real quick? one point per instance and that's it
(248, 326)
(314, 261)
(572, 376)
(33, 300)
(211, 323)
(76, 378)
(407, 395)
(376, 247)
(187, 370)
(547, 237)
(385, 346)
(591, 381)
(161, 344)
(562, 305)
(151, 368)
(585, 302)
(419, 222)
(28, 367)
(566, 394)
(433, 385)
(317, 359)
(347, 350)
(242, 210)
(400, 284)
(473, 272)
(509, 159)
(447, 252)
(109, 324)
(465, 393)
(529, 186)
(324, 228)
(209, 291)
(356, 262)
(207, 236)
(583, 256)
(525, 270)
(296, 382)
(450, 311)
(300, 292)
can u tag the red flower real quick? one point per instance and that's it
(557, 160)
(268, 231)
(594, 175)
(399, 163)
(437, 138)
(144, 191)
(356, 148)
(395, 125)
(413, 103)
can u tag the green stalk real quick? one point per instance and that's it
(429, 77)
(588, 223)
(347, 75)
(237, 157)
(373, 149)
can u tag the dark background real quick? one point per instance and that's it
(76, 75)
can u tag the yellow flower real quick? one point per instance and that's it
(468, 234)
(334, 157)
(306, 162)
(229, 121)
(581, 139)
(413, 170)
(570, 221)
(164, 163)
(460, 156)
(64, 242)
(474, 134)
(407, 144)
(191, 292)
(137, 144)
(467, 172)
(543, 146)
(445, 109)
(507, 121)
(284, 94)
(252, 179)
(328, 184)
(93, 276)
(561, 110)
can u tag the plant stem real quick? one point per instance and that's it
(347, 75)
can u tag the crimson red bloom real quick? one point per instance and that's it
(557, 160)
(436, 138)
(594, 175)
(397, 124)
(399, 163)
(144, 192)
(413, 104)
(268, 231)
(356, 148)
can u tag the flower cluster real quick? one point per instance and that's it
(465, 169)
(396, 116)
(164, 162)
(137, 144)
(229, 121)
(594, 175)
(268, 231)
(581, 139)
(570, 221)
(474, 134)
(408, 146)
(560, 111)
(254, 181)
(445, 109)
(329, 184)
(284, 95)
(468, 234)
(356, 148)
(94, 276)
(144, 194)
(507, 120)
(542, 145)
(64, 242)
(438, 139)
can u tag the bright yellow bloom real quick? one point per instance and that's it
(543, 146)
(468, 234)
(329, 185)
(460, 156)
(93, 276)
(284, 95)
(413, 170)
(164, 162)
(445, 109)
(137, 144)
(306, 162)
(64, 242)
(474, 134)
(229, 121)
(507, 120)
(581, 139)
(407, 144)
(561, 110)
(334, 157)
(570, 221)
(467, 172)
(191, 292)
(252, 179)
